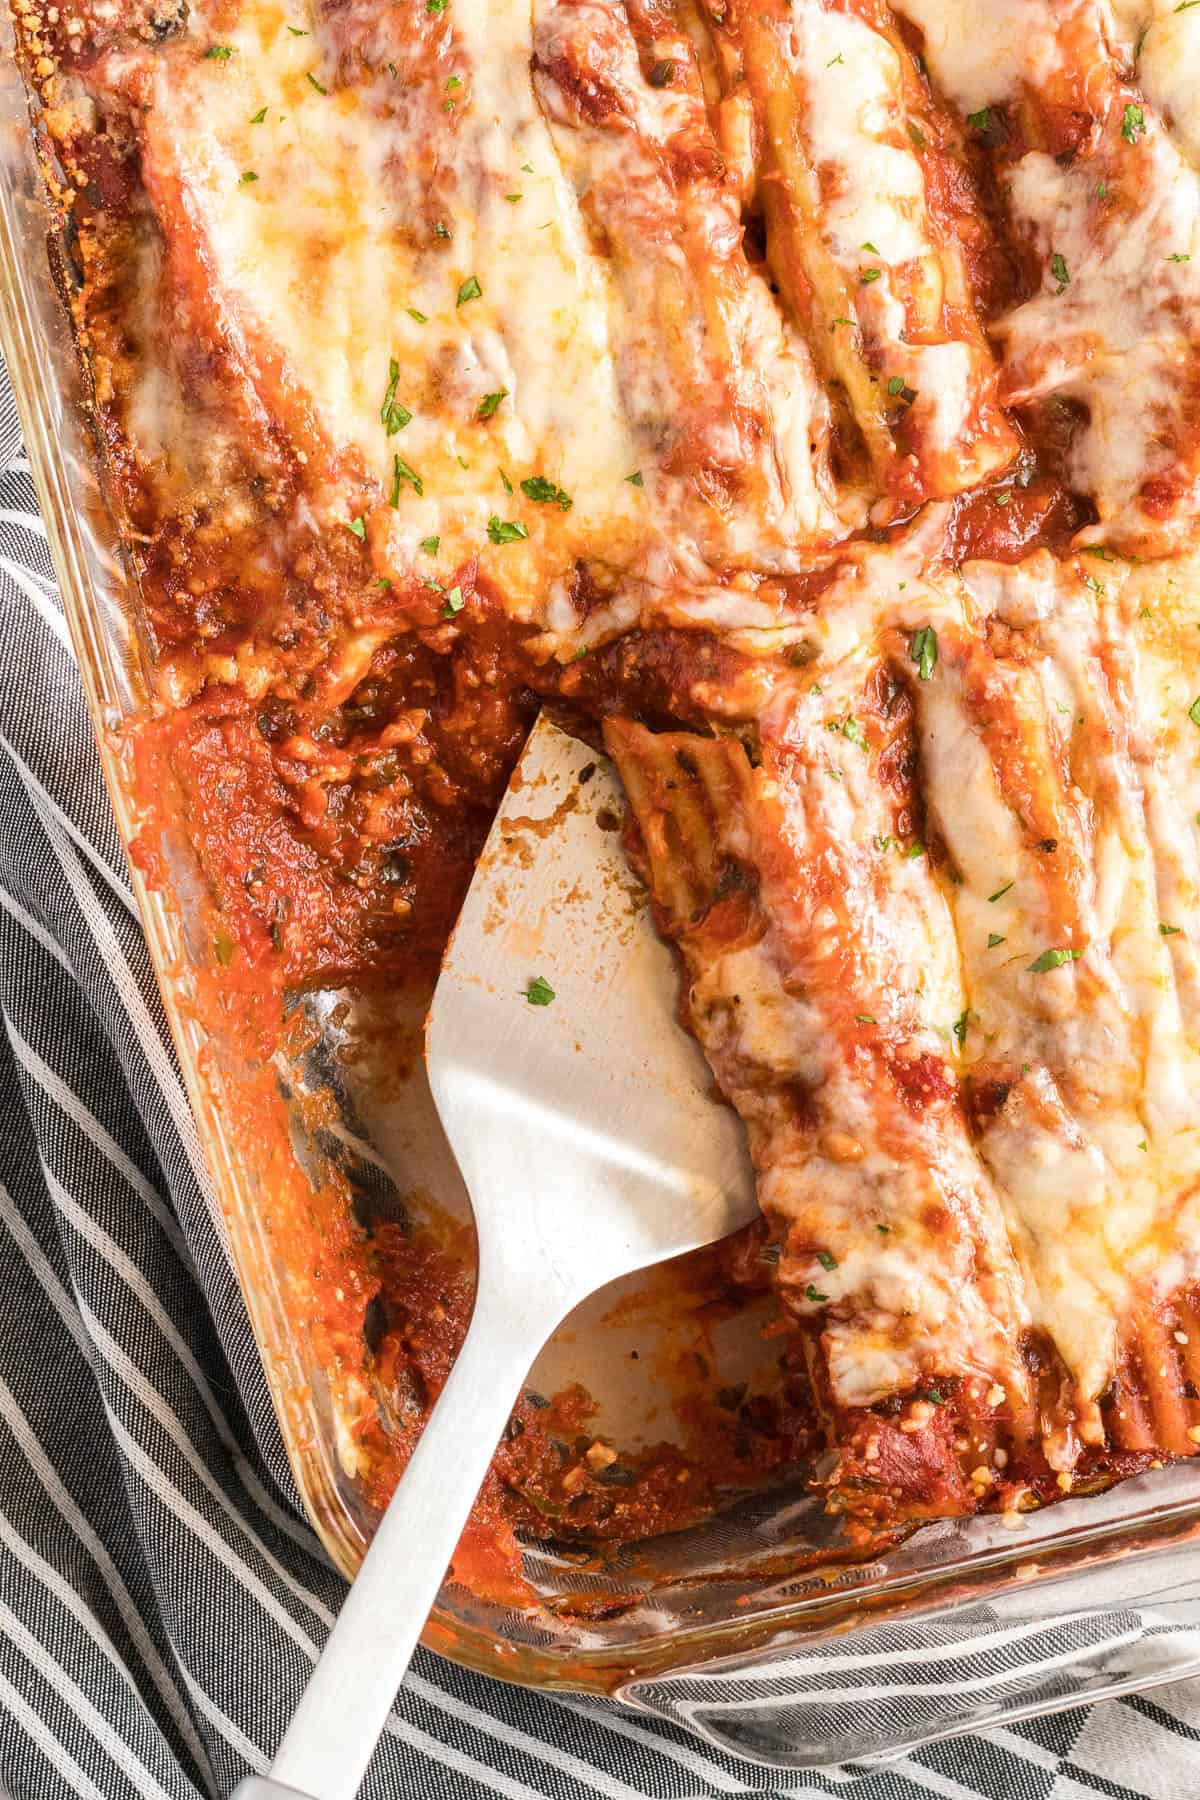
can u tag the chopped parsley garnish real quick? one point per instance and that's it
(1186, 5)
(505, 531)
(490, 402)
(539, 992)
(393, 71)
(826, 1261)
(994, 938)
(960, 1025)
(853, 730)
(259, 116)
(1004, 497)
(393, 414)
(999, 893)
(430, 545)
(1194, 715)
(537, 487)
(1102, 190)
(357, 526)
(635, 480)
(871, 247)
(311, 78)
(527, 168)
(896, 385)
(436, 6)
(1053, 959)
(420, 317)
(814, 1294)
(247, 175)
(662, 74)
(885, 1229)
(296, 31)
(1090, 581)
(1133, 123)
(454, 603)
(816, 688)
(923, 651)
(1098, 550)
(1169, 930)
(452, 83)
(218, 53)
(470, 290)
(1177, 256)
(870, 275)
(400, 474)
(980, 121)
(839, 58)
(1059, 270)
(513, 198)
(864, 1019)
(441, 230)
(883, 844)
(915, 850)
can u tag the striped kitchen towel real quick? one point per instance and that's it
(162, 1598)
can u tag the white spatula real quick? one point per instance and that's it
(585, 1126)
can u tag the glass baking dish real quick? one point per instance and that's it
(758, 1630)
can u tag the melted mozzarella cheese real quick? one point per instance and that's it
(328, 252)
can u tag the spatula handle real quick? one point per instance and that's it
(327, 1746)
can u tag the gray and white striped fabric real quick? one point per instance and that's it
(161, 1597)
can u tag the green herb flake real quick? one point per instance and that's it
(259, 116)
(436, 6)
(296, 31)
(635, 480)
(1169, 930)
(313, 82)
(872, 248)
(1053, 959)
(393, 415)
(513, 198)
(914, 850)
(537, 487)
(815, 1295)
(470, 290)
(539, 992)
(401, 473)
(1004, 497)
(994, 938)
(246, 176)
(219, 53)
(1099, 551)
(885, 1230)
(505, 531)
(826, 1261)
(924, 651)
(1102, 186)
(980, 121)
(430, 545)
(1133, 123)
(1059, 270)
(490, 402)
(839, 58)
(865, 1019)
(1177, 257)
(1194, 715)
(883, 844)
(441, 229)
(853, 730)
(1143, 1145)
(420, 317)
(999, 893)
(870, 275)
(896, 385)
(357, 527)
(959, 1027)
(454, 603)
